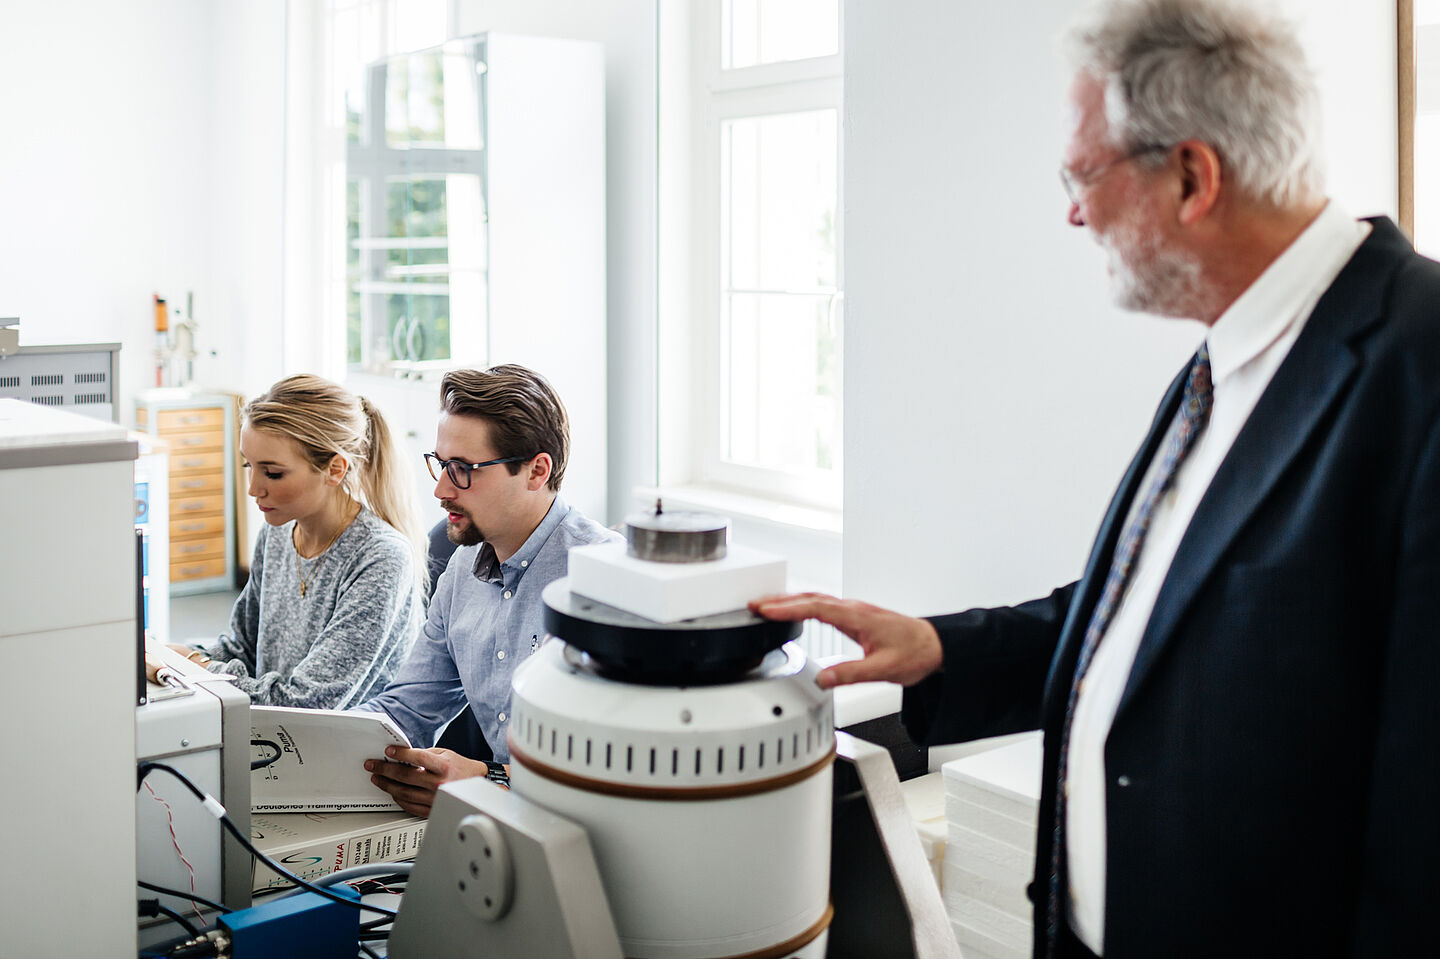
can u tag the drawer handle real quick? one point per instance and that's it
(193, 506)
(191, 464)
(192, 484)
(192, 549)
(190, 527)
(191, 570)
(192, 441)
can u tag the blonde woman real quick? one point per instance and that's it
(333, 602)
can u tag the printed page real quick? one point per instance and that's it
(314, 759)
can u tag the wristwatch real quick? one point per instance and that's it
(496, 774)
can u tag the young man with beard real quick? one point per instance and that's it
(1237, 695)
(499, 459)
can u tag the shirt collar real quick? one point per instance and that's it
(1285, 292)
(488, 570)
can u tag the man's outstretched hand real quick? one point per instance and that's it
(898, 649)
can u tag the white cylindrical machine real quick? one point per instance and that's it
(697, 756)
(708, 806)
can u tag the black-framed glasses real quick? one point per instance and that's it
(1075, 182)
(458, 471)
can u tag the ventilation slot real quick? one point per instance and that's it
(9, 382)
(91, 398)
(89, 378)
(47, 379)
(48, 400)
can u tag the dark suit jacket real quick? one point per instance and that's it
(1278, 737)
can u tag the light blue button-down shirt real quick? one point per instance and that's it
(486, 618)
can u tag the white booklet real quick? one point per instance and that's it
(314, 759)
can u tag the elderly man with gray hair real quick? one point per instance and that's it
(1235, 696)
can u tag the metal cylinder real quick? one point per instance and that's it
(676, 536)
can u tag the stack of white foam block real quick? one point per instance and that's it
(925, 801)
(991, 801)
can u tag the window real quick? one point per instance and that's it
(412, 210)
(415, 208)
(768, 242)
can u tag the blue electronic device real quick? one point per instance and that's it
(302, 926)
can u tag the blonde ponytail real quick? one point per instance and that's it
(325, 420)
(384, 484)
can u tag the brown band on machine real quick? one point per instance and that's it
(791, 946)
(676, 794)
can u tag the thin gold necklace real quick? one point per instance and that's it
(305, 581)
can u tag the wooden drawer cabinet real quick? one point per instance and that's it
(190, 484)
(196, 462)
(190, 572)
(191, 420)
(193, 505)
(200, 431)
(204, 547)
(186, 525)
(192, 442)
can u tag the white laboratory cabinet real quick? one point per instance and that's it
(68, 639)
(493, 148)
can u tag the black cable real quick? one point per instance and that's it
(179, 894)
(180, 920)
(151, 908)
(144, 769)
(369, 952)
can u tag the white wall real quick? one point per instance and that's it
(131, 166)
(627, 30)
(992, 394)
(104, 108)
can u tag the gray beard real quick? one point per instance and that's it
(1166, 283)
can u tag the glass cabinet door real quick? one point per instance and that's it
(416, 212)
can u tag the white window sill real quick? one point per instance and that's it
(747, 507)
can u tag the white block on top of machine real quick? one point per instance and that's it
(671, 592)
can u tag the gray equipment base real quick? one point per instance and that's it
(537, 895)
(500, 877)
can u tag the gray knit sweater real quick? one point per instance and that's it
(342, 642)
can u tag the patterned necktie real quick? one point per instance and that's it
(1189, 422)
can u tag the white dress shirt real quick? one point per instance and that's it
(1247, 345)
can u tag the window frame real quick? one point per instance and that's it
(724, 95)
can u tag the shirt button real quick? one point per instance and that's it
(524, 563)
(500, 654)
(501, 717)
(1122, 781)
(508, 594)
